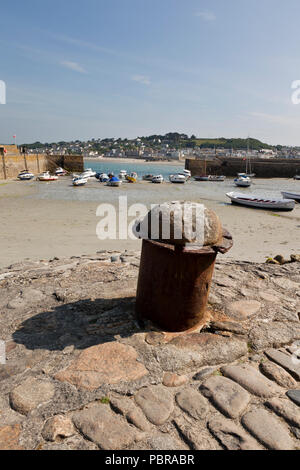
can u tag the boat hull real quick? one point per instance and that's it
(261, 203)
(294, 196)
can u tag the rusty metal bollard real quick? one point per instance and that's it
(175, 278)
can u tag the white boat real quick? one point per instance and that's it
(289, 195)
(122, 174)
(25, 175)
(297, 177)
(103, 178)
(148, 177)
(47, 177)
(79, 181)
(201, 178)
(271, 203)
(178, 179)
(158, 179)
(60, 171)
(186, 173)
(243, 181)
(88, 173)
(218, 178)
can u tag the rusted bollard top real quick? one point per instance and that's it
(185, 224)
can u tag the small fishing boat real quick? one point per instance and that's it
(132, 178)
(201, 178)
(60, 171)
(271, 203)
(122, 174)
(148, 177)
(289, 195)
(79, 181)
(297, 177)
(186, 173)
(114, 181)
(25, 175)
(88, 173)
(47, 177)
(243, 181)
(158, 179)
(217, 178)
(103, 178)
(177, 179)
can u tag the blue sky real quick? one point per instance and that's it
(125, 68)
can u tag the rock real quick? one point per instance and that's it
(285, 361)
(174, 380)
(169, 222)
(241, 310)
(231, 435)
(58, 426)
(30, 394)
(156, 402)
(286, 410)
(9, 437)
(286, 283)
(228, 326)
(280, 259)
(268, 430)
(295, 258)
(107, 363)
(132, 413)
(226, 395)
(268, 296)
(154, 338)
(202, 374)
(273, 335)
(279, 375)
(186, 352)
(106, 429)
(252, 380)
(294, 395)
(192, 403)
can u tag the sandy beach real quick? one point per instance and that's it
(44, 220)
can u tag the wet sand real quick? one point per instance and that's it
(44, 220)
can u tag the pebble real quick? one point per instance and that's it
(58, 426)
(279, 375)
(285, 409)
(174, 380)
(294, 395)
(156, 402)
(285, 361)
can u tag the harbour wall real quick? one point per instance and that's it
(263, 168)
(12, 164)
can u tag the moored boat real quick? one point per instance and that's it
(297, 177)
(177, 179)
(25, 175)
(217, 178)
(122, 174)
(47, 177)
(60, 171)
(88, 173)
(186, 173)
(291, 195)
(243, 181)
(79, 181)
(148, 177)
(271, 203)
(103, 178)
(158, 179)
(114, 181)
(132, 178)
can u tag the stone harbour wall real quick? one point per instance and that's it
(82, 373)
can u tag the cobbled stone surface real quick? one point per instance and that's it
(252, 380)
(192, 403)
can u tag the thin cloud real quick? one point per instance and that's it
(73, 66)
(141, 79)
(206, 15)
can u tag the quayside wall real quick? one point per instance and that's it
(263, 168)
(12, 164)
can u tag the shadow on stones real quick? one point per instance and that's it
(80, 324)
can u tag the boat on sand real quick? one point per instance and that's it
(271, 203)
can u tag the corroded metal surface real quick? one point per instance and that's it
(174, 283)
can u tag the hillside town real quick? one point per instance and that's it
(171, 146)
